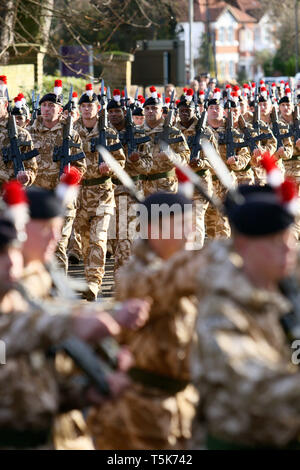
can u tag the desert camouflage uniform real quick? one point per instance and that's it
(7, 170)
(264, 146)
(242, 360)
(292, 168)
(32, 393)
(150, 416)
(203, 170)
(248, 116)
(69, 429)
(48, 172)
(151, 182)
(125, 215)
(217, 225)
(95, 208)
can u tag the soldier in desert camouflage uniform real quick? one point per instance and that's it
(187, 125)
(157, 411)
(243, 362)
(125, 205)
(159, 174)
(6, 169)
(47, 133)
(96, 198)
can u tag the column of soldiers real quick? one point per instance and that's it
(216, 308)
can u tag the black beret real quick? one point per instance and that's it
(8, 233)
(57, 99)
(183, 204)
(233, 104)
(262, 99)
(152, 101)
(260, 213)
(184, 102)
(20, 111)
(44, 204)
(213, 101)
(85, 98)
(252, 103)
(138, 111)
(113, 104)
(284, 99)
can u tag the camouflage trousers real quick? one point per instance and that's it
(96, 206)
(200, 206)
(74, 245)
(217, 225)
(245, 177)
(61, 251)
(169, 185)
(123, 229)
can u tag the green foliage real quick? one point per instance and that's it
(206, 57)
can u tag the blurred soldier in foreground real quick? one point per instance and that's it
(157, 411)
(243, 361)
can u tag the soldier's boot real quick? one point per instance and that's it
(92, 292)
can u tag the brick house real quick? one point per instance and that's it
(238, 29)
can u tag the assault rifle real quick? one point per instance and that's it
(104, 134)
(296, 119)
(127, 137)
(277, 127)
(194, 141)
(227, 138)
(164, 137)
(63, 154)
(12, 153)
(35, 107)
(248, 138)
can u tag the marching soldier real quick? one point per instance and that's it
(125, 205)
(161, 175)
(28, 176)
(188, 126)
(242, 359)
(217, 225)
(96, 197)
(32, 392)
(158, 409)
(47, 134)
(21, 111)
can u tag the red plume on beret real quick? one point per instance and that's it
(274, 175)
(75, 94)
(190, 92)
(168, 100)
(152, 89)
(71, 176)
(58, 83)
(89, 86)
(13, 193)
(288, 190)
(116, 92)
(182, 178)
(3, 78)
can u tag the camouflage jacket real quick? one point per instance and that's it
(292, 166)
(163, 344)
(189, 133)
(45, 140)
(7, 170)
(242, 361)
(152, 149)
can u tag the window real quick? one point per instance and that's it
(230, 35)
(222, 34)
(231, 69)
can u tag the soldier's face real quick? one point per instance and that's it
(236, 112)
(285, 109)
(138, 120)
(3, 108)
(21, 121)
(42, 239)
(153, 113)
(89, 110)
(202, 85)
(214, 112)
(272, 257)
(244, 107)
(186, 113)
(50, 111)
(11, 267)
(115, 116)
(265, 108)
(169, 91)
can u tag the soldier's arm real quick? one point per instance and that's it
(288, 148)
(242, 159)
(252, 374)
(25, 332)
(80, 164)
(30, 166)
